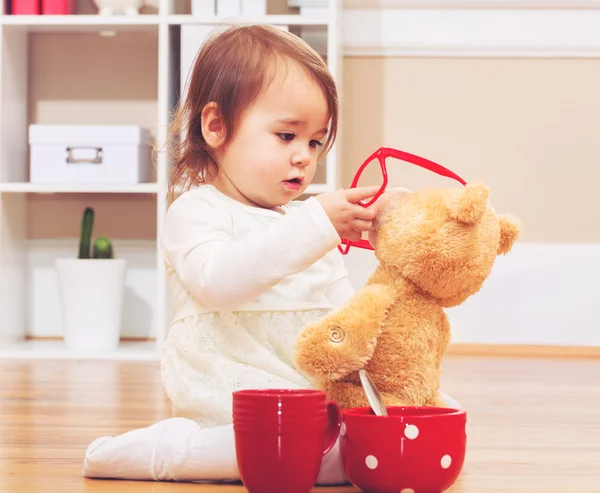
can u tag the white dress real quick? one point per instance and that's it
(244, 283)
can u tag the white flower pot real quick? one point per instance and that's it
(91, 296)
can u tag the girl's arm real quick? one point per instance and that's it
(224, 273)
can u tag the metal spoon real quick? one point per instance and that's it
(372, 394)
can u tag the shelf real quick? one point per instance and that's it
(84, 23)
(57, 349)
(129, 70)
(287, 20)
(77, 188)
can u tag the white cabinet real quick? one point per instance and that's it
(87, 69)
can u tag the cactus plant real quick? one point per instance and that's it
(103, 248)
(87, 224)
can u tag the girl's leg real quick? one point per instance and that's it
(177, 449)
(174, 449)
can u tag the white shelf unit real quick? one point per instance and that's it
(56, 69)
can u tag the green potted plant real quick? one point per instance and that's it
(91, 291)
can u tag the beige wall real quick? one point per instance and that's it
(528, 128)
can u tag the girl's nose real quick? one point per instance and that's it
(301, 157)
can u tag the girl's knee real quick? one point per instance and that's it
(332, 469)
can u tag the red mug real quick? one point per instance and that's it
(412, 450)
(281, 436)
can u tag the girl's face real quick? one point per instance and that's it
(272, 157)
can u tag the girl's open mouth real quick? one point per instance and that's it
(293, 184)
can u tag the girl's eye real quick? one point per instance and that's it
(287, 137)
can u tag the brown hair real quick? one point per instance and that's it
(231, 69)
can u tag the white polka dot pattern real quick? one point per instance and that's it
(446, 461)
(411, 432)
(371, 462)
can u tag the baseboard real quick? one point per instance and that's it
(455, 349)
(523, 351)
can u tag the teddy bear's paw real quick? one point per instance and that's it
(344, 340)
(326, 350)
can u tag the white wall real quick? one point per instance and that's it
(537, 294)
(540, 293)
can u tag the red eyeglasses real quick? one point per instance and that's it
(381, 154)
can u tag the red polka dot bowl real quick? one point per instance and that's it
(412, 450)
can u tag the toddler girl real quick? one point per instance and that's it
(248, 265)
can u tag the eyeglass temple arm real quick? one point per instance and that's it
(420, 161)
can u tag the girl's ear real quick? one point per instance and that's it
(213, 129)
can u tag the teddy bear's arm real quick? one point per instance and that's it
(343, 341)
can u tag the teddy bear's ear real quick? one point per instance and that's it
(510, 229)
(470, 204)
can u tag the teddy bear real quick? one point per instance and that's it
(435, 248)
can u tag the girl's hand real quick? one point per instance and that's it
(348, 217)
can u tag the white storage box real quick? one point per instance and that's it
(107, 154)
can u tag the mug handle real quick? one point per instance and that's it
(334, 425)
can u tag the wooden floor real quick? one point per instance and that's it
(533, 424)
